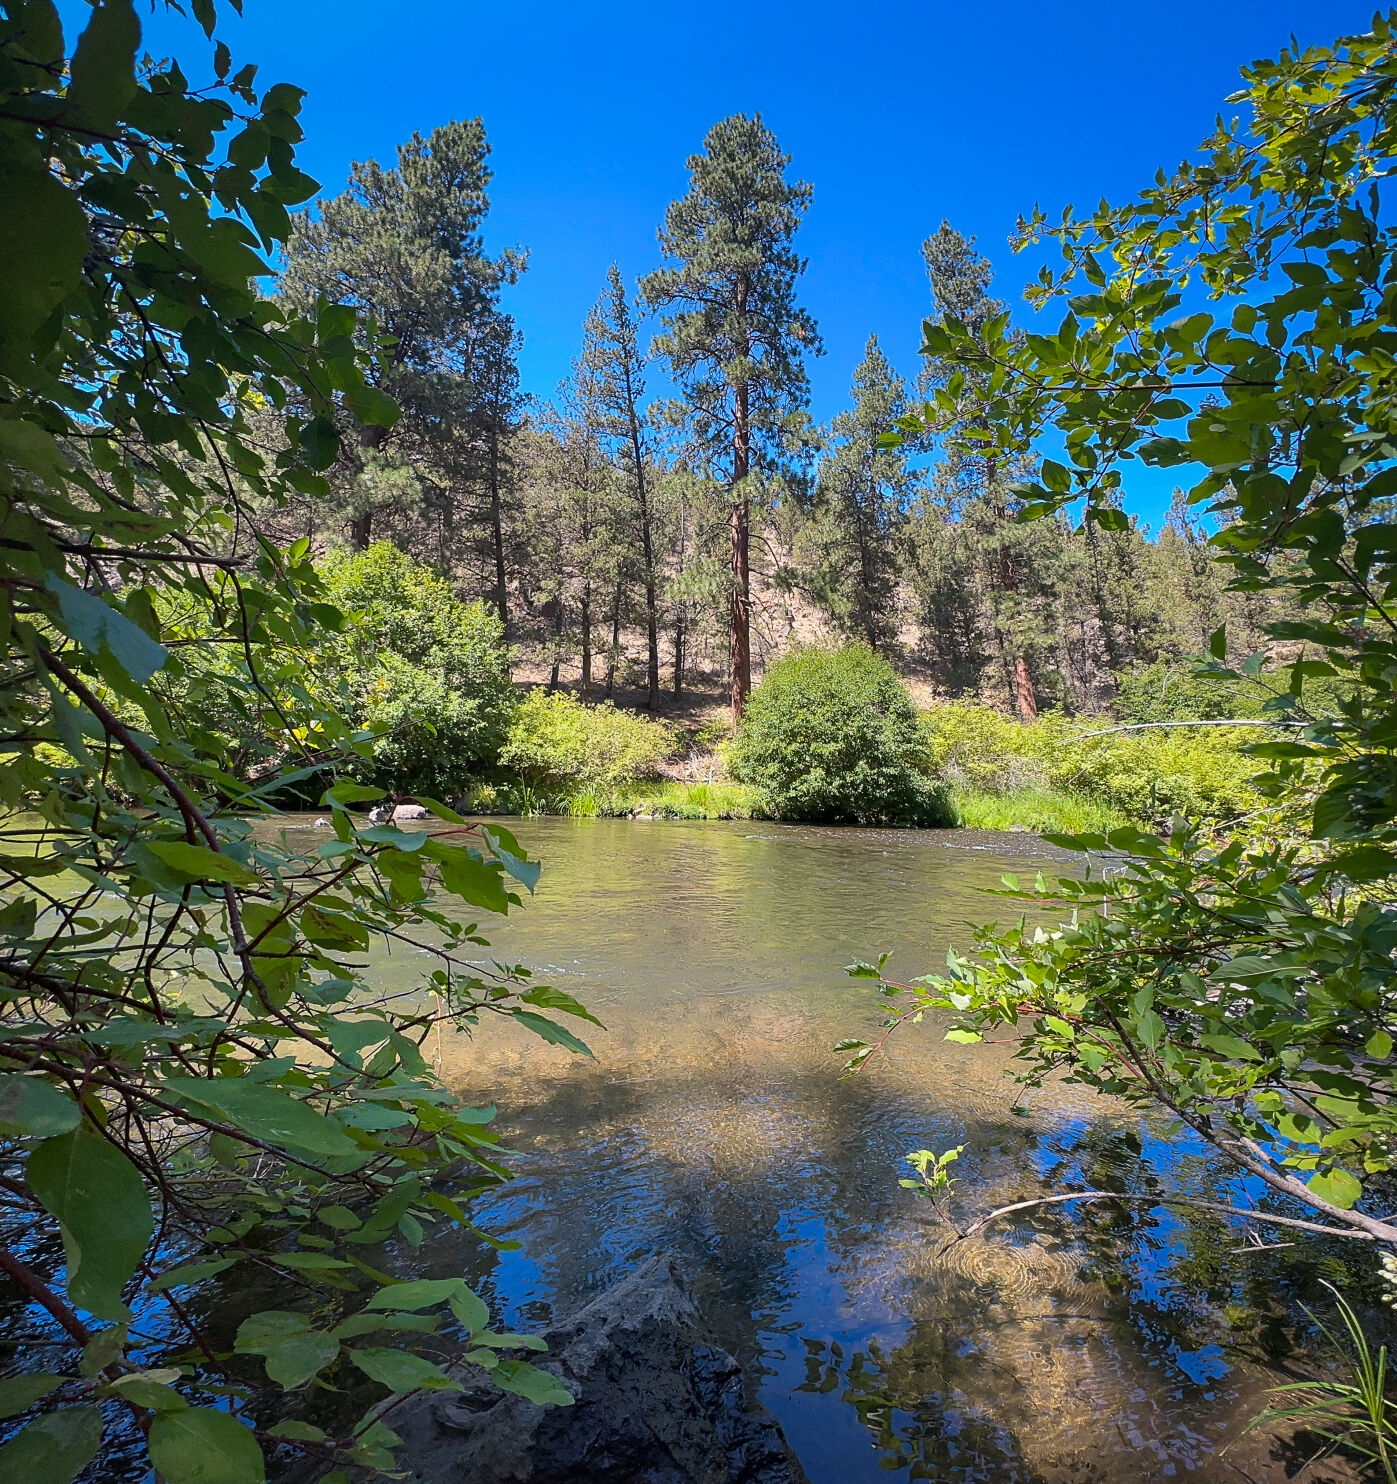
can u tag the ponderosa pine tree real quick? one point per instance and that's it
(484, 457)
(734, 335)
(403, 246)
(861, 493)
(612, 351)
(979, 486)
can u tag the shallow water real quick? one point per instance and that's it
(713, 1123)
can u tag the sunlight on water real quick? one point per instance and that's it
(1107, 1345)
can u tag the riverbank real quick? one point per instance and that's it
(1035, 810)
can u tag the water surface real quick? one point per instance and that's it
(1109, 1345)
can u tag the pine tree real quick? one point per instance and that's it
(978, 486)
(404, 244)
(734, 336)
(861, 494)
(612, 351)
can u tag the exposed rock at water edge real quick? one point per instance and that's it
(656, 1404)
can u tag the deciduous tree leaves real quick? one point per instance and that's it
(100, 1203)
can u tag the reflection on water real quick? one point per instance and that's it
(1109, 1345)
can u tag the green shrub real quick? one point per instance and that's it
(425, 670)
(1172, 692)
(1146, 775)
(555, 741)
(832, 735)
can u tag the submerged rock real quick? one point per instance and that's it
(656, 1404)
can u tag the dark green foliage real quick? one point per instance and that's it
(733, 333)
(403, 246)
(832, 735)
(427, 673)
(851, 545)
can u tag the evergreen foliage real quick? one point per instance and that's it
(832, 735)
(403, 247)
(852, 541)
(733, 334)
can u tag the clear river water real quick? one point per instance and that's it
(1104, 1344)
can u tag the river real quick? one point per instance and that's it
(713, 1123)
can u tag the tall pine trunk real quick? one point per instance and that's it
(1021, 688)
(647, 552)
(361, 525)
(497, 525)
(586, 621)
(740, 612)
(613, 654)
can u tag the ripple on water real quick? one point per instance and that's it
(713, 1122)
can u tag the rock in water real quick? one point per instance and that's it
(656, 1404)
(406, 812)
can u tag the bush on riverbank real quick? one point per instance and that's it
(832, 735)
(556, 744)
(426, 671)
(1145, 776)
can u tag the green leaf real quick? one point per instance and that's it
(967, 1038)
(529, 1381)
(103, 75)
(512, 856)
(351, 793)
(320, 443)
(199, 863)
(1232, 1047)
(43, 240)
(551, 1031)
(55, 1448)
(19, 1393)
(401, 1370)
(189, 1272)
(475, 881)
(151, 1390)
(372, 407)
(266, 1112)
(470, 1309)
(291, 1362)
(1379, 1045)
(99, 1201)
(101, 628)
(300, 1432)
(1337, 1187)
(202, 1446)
(547, 997)
(422, 1293)
(29, 1105)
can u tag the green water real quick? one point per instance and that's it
(713, 1123)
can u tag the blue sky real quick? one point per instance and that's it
(898, 114)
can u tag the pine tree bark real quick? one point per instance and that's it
(586, 622)
(615, 649)
(647, 546)
(371, 438)
(1021, 680)
(497, 526)
(740, 611)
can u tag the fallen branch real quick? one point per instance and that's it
(1295, 1223)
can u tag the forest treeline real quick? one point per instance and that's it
(673, 512)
